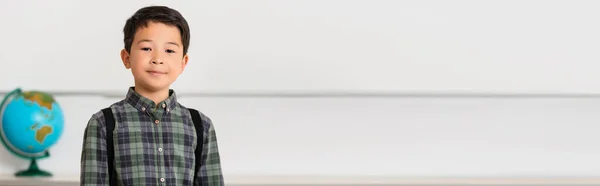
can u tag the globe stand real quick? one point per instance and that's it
(33, 171)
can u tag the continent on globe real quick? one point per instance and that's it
(41, 133)
(41, 99)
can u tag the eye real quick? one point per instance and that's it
(170, 51)
(146, 49)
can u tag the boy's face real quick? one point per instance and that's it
(156, 58)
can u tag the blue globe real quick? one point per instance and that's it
(30, 123)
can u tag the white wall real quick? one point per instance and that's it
(463, 137)
(525, 46)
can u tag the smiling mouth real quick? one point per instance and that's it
(156, 73)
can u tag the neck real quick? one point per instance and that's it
(155, 95)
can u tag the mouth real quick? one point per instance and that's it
(156, 73)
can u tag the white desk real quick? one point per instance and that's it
(7, 180)
(330, 180)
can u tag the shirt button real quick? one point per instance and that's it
(156, 121)
(162, 179)
(160, 149)
(167, 109)
(143, 108)
(164, 105)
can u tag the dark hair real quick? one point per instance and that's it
(160, 14)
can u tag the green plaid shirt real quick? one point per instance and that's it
(154, 145)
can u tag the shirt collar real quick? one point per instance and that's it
(142, 103)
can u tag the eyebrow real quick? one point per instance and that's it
(147, 40)
(173, 43)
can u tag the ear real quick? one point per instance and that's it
(184, 62)
(125, 59)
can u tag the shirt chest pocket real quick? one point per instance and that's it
(130, 145)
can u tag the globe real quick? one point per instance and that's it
(30, 123)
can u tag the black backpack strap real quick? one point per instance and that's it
(198, 124)
(109, 121)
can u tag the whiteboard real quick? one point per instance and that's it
(525, 46)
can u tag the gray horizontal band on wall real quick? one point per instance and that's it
(339, 94)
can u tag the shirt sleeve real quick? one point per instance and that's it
(94, 166)
(210, 167)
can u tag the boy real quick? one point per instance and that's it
(154, 137)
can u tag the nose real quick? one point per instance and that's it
(156, 59)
